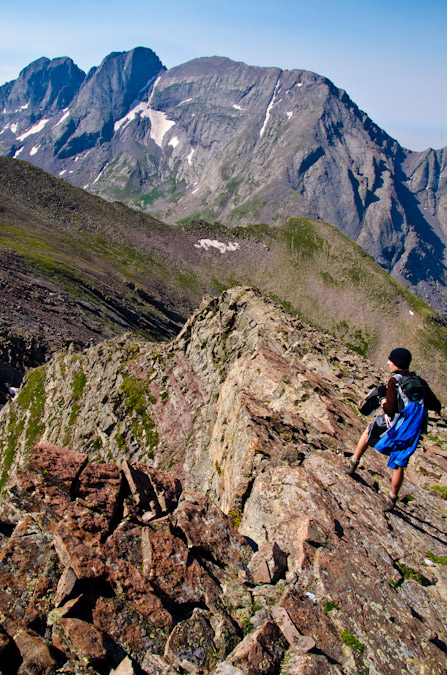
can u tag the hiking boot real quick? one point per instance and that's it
(351, 467)
(390, 503)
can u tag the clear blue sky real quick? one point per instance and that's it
(389, 55)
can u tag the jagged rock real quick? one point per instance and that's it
(65, 586)
(124, 668)
(191, 643)
(81, 639)
(98, 489)
(301, 643)
(58, 465)
(135, 633)
(308, 665)
(153, 491)
(210, 530)
(154, 665)
(35, 652)
(260, 652)
(368, 588)
(268, 564)
(171, 569)
(79, 550)
(308, 617)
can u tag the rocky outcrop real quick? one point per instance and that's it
(186, 509)
(109, 569)
(244, 381)
(93, 579)
(234, 143)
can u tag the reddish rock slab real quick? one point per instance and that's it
(310, 620)
(171, 569)
(300, 643)
(260, 652)
(207, 528)
(268, 564)
(78, 638)
(35, 652)
(135, 633)
(124, 565)
(65, 586)
(28, 572)
(190, 645)
(79, 550)
(35, 493)
(60, 466)
(99, 489)
(153, 491)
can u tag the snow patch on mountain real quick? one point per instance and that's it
(190, 156)
(237, 107)
(140, 109)
(62, 119)
(214, 243)
(99, 174)
(187, 100)
(270, 106)
(174, 141)
(34, 150)
(18, 152)
(34, 130)
(160, 125)
(153, 91)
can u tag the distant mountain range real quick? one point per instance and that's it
(228, 142)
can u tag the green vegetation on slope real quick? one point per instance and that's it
(106, 255)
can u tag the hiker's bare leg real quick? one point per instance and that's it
(351, 467)
(361, 445)
(397, 480)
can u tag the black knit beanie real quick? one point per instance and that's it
(401, 358)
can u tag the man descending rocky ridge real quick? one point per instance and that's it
(224, 141)
(255, 410)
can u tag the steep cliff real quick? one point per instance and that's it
(287, 565)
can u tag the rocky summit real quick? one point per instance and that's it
(182, 508)
(225, 141)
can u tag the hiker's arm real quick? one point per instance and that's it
(390, 405)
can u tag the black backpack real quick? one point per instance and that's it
(410, 388)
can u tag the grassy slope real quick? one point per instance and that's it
(96, 250)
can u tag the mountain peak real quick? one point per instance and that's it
(223, 141)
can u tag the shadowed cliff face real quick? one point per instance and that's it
(218, 533)
(221, 140)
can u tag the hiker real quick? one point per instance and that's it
(396, 431)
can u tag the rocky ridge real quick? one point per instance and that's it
(286, 566)
(240, 144)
